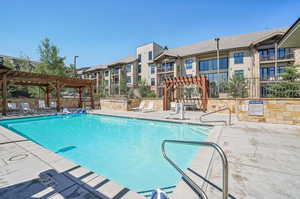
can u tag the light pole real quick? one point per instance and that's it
(218, 64)
(75, 58)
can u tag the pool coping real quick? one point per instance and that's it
(181, 187)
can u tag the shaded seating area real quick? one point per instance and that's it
(48, 83)
(172, 87)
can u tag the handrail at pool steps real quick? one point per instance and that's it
(194, 186)
(219, 110)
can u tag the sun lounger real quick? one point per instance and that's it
(140, 108)
(176, 111)
(149, 108)
(12, 107)
(26, 108)
(42, 105)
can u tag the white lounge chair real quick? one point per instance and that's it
(42, 105)
(25, 107)
(65, 110)
(12, 107)
(140, 108)
(173, 106)
(149, 108)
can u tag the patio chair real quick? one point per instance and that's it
(26, 108)
(140, 108)
(12, 107)
(149, 108)
(42, 106)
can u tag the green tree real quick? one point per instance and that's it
(236, 86)
(123, 84)
(145, 90)
(288, 87)
(51, 62)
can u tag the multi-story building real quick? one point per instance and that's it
(18, 62)
(254, 56)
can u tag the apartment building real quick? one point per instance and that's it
(254, 56)
(18, 62)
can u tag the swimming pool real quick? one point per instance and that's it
(124, 150)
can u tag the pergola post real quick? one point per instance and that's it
(4, 95)
(47, 100)
(80, 97)
(58, 97)
(91, 96)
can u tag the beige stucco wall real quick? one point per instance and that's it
(245, 66)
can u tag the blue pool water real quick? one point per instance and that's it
(124, 150)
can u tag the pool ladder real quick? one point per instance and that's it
(188, 180)
(219, 110)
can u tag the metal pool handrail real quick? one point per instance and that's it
(188, 179)
(222, 109)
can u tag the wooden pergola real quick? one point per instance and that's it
(171, 84)
(47, 83)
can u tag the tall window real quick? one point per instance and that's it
(128, 68)
(239, 74)
(139, 68)
(188, 64)
(150, 55)
(139, 57)
(212, 64)
(152, 81)
(128, 79)
(139, 78)
(152, 68)
(238, 58)
(106, 73)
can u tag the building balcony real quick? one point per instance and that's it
(165, 70)
(271, 58)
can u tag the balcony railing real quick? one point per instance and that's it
(165, 70)
(272, 57)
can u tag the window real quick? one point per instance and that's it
(152, 69)
(150, 55)
(212, 64)
(188, 64)
(139, 57)
(213, 77)
(139, 68)
(267, 73)
(1, 59)
(128, 79)
(239, 74)
(152, 81)
(165, 67)
(128, 68)
(139, 78)
(238, 58)
(106, 73)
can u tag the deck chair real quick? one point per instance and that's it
(149, 108)
(12, 107)
(42, 105)
(140, 108)
(25, 107)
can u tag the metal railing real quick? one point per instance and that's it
(195, 187)
(219, 110)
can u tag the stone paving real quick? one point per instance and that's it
(263, 160)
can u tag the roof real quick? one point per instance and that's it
(291, 37)
(124, 60)
(19, 58)
(228, 42)
(97, 67)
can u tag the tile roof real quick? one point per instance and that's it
(124, 60)
(228, 42)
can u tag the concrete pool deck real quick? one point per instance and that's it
(263, 160)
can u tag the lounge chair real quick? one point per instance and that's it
(173, 106)
(149, 108)
(53, 105)
(42, 105)
(12, 107)
(65, 110)
(26, 108)
(140, 108)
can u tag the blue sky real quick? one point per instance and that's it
(104, 31)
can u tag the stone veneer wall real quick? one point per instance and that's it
(277, 111)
